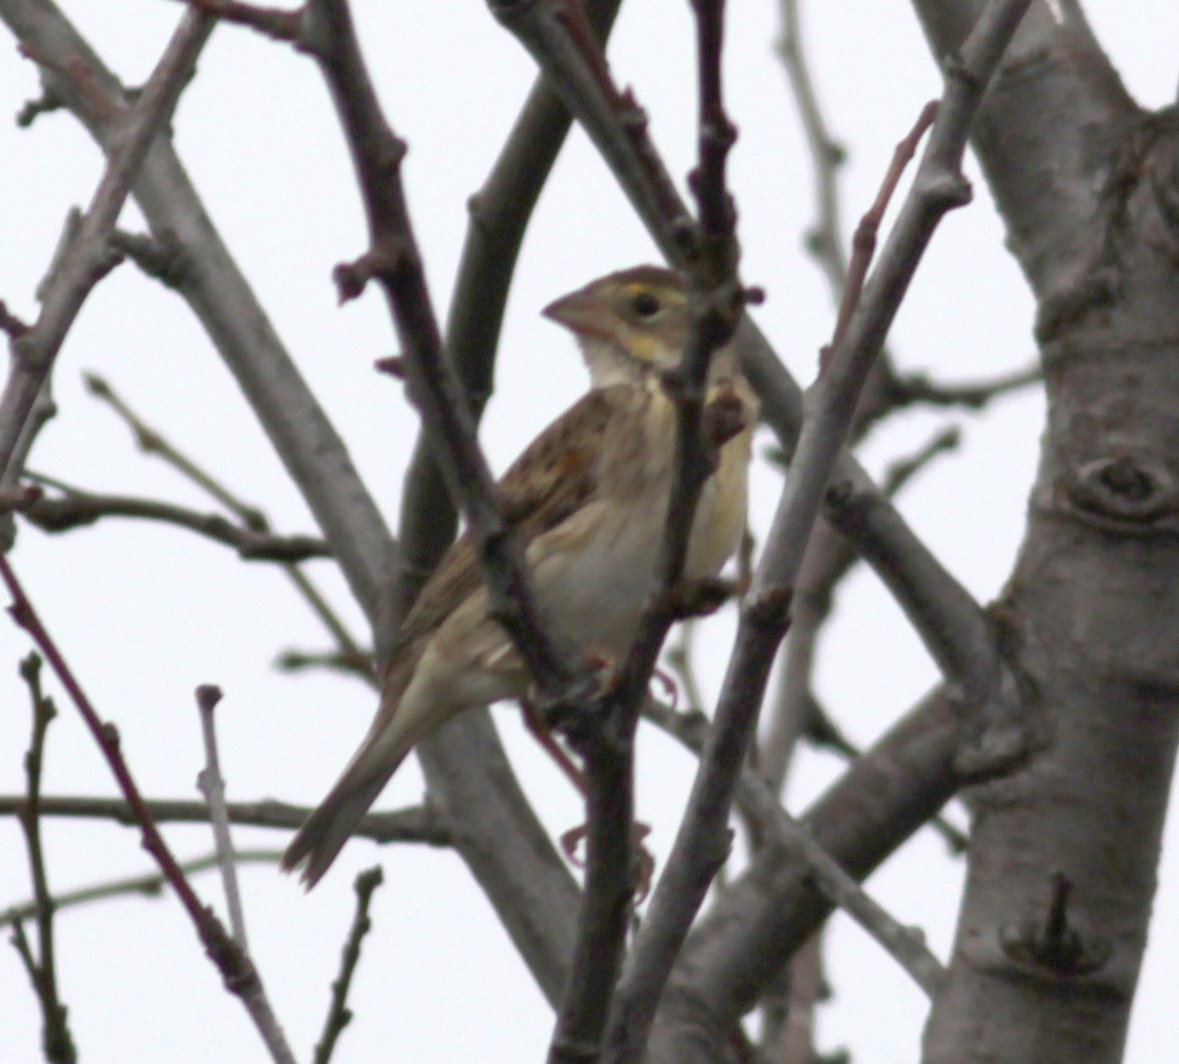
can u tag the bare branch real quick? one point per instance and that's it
(56, 1038)
(78, 508)
(150, 886)
(151, 441)
(825, 239)
(864, 240)
(88, 257)
(339, 1015)
(212, 786)
(277, 23)
(420, 824)
(918, 388)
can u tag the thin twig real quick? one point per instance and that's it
(212, 786)
(342, 661)
(339, 1015)
(418, 824)
(56, 1038)
(864, 240)
(240, 976)
(918, 388)
(150, 886)
(152, 441)
(77, 509)
(827, 155)
(88, 258)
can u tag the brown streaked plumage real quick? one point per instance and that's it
(587, 498)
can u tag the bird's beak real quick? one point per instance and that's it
(582, 312)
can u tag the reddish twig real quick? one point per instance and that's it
(864, 240)
(240, 976)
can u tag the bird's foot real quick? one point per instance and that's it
(645, 860)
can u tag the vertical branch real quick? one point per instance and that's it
(339, 1015)
(56, 1038)
(212, 785)
(825, 238)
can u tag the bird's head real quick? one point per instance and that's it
(629, 324)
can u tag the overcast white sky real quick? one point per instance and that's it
(145, 614)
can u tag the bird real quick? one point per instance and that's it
(587, 498)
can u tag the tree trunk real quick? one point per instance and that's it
(1063, 853)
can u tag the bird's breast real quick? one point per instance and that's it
(720, 513)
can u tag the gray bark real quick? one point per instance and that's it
(1085, 182)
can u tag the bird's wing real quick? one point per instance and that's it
(548, 483)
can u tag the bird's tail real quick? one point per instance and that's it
(317, 843)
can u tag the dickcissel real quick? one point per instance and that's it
(588, 499)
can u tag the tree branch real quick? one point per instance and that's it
(339, 1015)
(421, 824)
(56, 1039)
(794, 841)
(88, 257)
(151, 885)
(212, 785)
(78, 508)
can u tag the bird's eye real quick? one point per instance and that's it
(645, 305)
